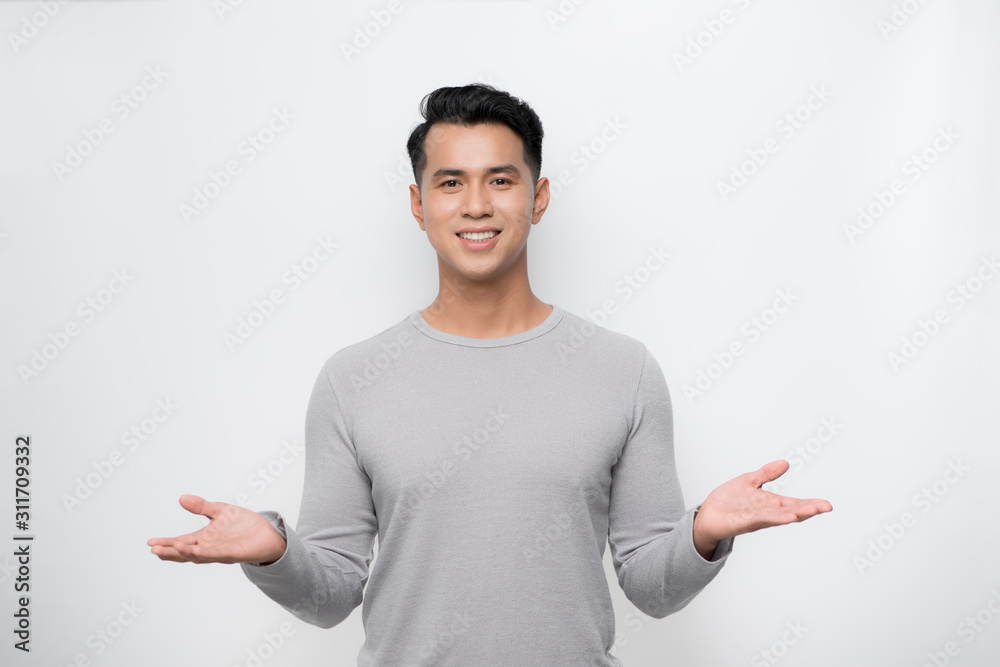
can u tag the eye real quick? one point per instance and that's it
(502, 179)
(447, 182)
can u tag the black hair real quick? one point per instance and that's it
(475, 104)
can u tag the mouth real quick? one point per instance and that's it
(479, 240)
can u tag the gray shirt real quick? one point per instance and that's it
(493, 471)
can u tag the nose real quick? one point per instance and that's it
(476, 203)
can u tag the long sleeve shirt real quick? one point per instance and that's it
(493, 472)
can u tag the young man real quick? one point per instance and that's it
(494, 443)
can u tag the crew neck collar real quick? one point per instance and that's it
(418, 321)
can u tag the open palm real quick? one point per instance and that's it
(233, 535)
(741, 506)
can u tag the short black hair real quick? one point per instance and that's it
(475, 104)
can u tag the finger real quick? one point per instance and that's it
(820, 504)
(818, 507)
(205, 553)
(188, 552)
(769, 520)
(788, 517)
(211, 554)
(800, 513)
(189, 538)
(805, 513)
(167, 553)
(197, 505)
(769, 472)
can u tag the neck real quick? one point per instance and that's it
(476, 310)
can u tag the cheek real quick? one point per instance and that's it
(439, 209)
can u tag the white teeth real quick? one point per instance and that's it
(478, 236)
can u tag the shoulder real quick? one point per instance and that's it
(599, 345)
(376, 351)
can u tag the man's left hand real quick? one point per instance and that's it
(740, 506)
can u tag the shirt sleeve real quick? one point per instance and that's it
(650, 533)
(321, 576)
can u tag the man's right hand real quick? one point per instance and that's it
(233, 535)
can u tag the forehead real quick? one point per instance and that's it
(483, 145)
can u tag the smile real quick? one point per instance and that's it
(479, 240)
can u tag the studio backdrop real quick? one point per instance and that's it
(792, 204)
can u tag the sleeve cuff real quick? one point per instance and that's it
(722, 549)
(278, 521)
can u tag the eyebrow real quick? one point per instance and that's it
(500, 169)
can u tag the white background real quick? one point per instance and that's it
(339, 169)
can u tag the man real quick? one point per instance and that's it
(494, 442)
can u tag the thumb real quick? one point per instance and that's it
(197, 505)
(769, 472)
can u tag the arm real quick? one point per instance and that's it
(321, 576)
(653, 542)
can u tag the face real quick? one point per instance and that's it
(476, 178)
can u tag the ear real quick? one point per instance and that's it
(417, 206)
(541, 200)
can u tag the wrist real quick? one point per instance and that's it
(704, 544)
(275, 555)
